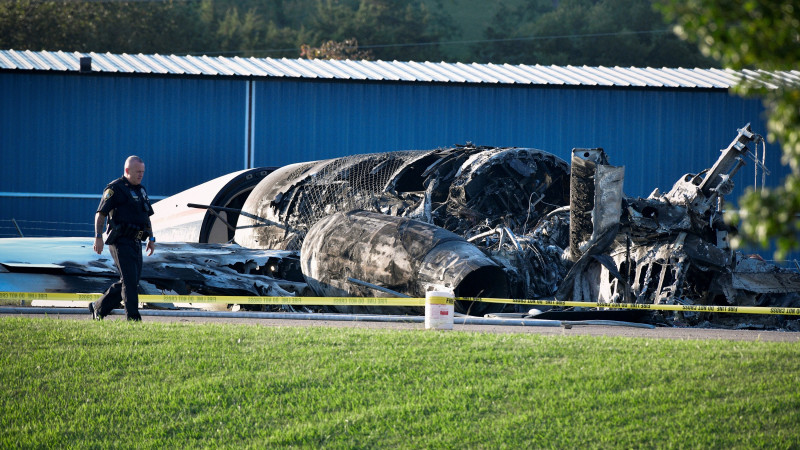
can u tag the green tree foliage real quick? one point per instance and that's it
(762, 35)
(240, 32)
(397, 29)
(255, 27)
(120, 27)
(376, 23)
(590, 32)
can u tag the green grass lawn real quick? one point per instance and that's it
(116, 384)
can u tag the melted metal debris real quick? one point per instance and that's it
(673, 249)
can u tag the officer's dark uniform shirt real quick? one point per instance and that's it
(125, 203)
(129, 211)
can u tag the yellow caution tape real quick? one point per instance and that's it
(661, 307)
(232, 299)
(390, 301)
(439, 300)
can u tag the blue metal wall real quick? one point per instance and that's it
(658, 134)
(68, 134)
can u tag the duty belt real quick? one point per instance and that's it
(140, 235)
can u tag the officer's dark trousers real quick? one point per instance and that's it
(127, 254)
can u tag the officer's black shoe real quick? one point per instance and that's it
(93, 312)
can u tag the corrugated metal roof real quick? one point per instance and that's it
(384, 70)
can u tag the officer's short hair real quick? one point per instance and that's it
(133, 158)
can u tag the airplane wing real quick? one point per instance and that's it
(70, 265)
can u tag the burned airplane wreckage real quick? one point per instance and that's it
(404, 221)
(478, 221)
(460, 219)
(508, 223)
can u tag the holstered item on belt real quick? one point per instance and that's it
(112, 236)
(127, 230)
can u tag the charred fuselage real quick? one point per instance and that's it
(483, 194)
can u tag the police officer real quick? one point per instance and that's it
(128, 209)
